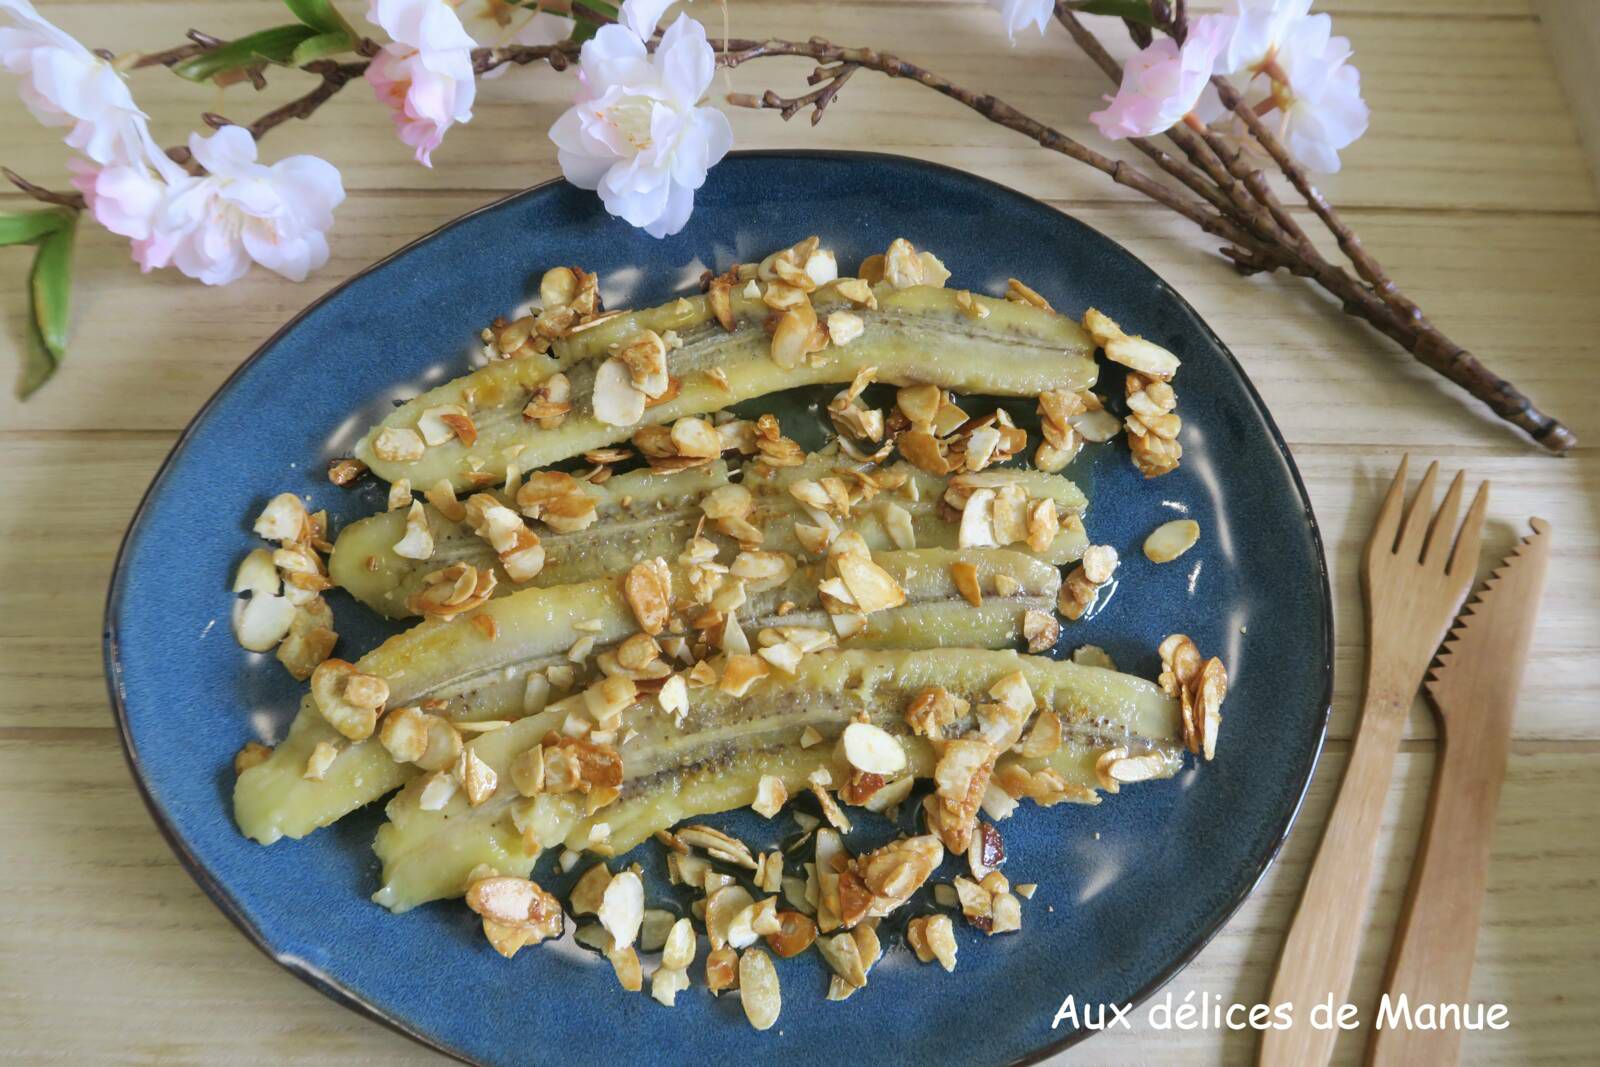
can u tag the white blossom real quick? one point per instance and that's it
(635, 131)
(1020, 13)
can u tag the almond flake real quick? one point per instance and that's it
(616, 401)
(871, 587)
(399, 494)
(872, 749)
(1170, 540)
(1040, 629)
(977, 526)
(897, 523)
(759, 994)
(740, 672)
(648, 591)
(321, 758)
(437, 789)
(283, 520)
(645, 357)
(1018, 293)
(622, 908)
(965, 577)
(844, 327)
(477, 778)
(674, 696)
(771, 795)
(398, 444)
(1131, 351)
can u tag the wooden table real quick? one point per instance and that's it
(1472, 187)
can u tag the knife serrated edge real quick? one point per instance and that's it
(1479, 604)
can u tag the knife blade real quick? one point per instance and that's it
(1493, 632)
(1474, 689)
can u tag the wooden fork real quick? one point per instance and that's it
(1413, 585)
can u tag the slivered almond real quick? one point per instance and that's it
(770, 796)
(1040, 629)
(398, 444)
(759, 994)
(1019, 293)
(648, 591)
(645, 356)
(1170, 540)
(1131, 351)
(872, 749)
(740, 672)
(871, 587)
(965, 577)
(616, 400)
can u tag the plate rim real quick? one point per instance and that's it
(349, 998)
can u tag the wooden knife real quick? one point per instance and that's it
(1474, 690)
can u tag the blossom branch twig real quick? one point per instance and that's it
(736, 53)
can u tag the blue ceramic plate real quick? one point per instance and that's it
(1128, 891)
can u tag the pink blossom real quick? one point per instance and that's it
(213, 226)
(1163, 82)
(424, 75)
(121, 197)
(65, 84)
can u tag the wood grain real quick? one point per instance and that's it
(1472, 187)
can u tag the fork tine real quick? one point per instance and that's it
(1469, 540)
(1409, 546)
(1388, 520)
(1441, 532)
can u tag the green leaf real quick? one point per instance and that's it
(320, 15)
(276, 45)
(585, 24)
(50, 293)
(1132, 10)
(321, 46)
(29, 226)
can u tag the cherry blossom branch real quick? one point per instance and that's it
(735, 53)
(1405, 323)
(1261, 233)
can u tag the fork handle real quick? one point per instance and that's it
(1435, 946)
(1319, 955)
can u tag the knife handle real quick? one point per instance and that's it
(1436, 943)
(1319, 953)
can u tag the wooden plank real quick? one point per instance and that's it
(1435, 86)
(1572, 32)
